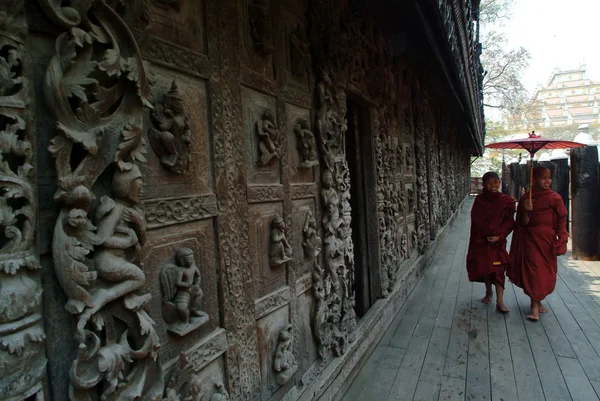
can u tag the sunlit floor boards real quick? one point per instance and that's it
(446, 345)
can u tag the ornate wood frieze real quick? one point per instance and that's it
(169, 211)
(22, 348)
(261, 83)
(173, 56)
(264, 193)
(271, 302)
(299, 191)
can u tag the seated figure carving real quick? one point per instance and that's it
(182, 294)
(280, 251)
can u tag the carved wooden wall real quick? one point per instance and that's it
(195, 220)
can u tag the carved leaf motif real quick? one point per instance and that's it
(132, 144)
(112, 63)
(87, 139)
(137, 74)
(8, 78)
(77, 76)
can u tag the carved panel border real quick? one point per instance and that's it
(296, 97)
(303, 284)
(300, 191)
(258, 82)
(169, 211)
(206, 351)
(171, 55)
(272, 302)
(265, 193)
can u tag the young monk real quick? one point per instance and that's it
(540, 236)
(492, 219)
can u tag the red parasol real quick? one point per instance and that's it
(532, 144)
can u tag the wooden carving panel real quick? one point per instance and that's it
(162, 182)
(257, 109)
(161, 249)
(267, 278)
(302, 211)
(302, 143)
(180, 22)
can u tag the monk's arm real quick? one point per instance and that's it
(508, 223)
(561, 227)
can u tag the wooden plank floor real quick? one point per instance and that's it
(444, 344)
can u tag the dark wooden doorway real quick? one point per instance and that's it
(357, 146)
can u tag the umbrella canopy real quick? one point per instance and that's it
(534, 143)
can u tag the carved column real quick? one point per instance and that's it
(233, 227)
(22, 336)
(96, 88)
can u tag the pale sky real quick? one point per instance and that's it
(558, 34)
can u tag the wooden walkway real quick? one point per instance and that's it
(446, 345)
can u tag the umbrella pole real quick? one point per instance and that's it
(530, 177)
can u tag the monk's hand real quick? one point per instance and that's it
(528, 204)
(493, 239)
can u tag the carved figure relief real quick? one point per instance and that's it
(311, 242)
(182, 294)
(268, 134)
(410, 193)
(333, 285)
(280, 251)
(306, 144)
(221, 394)
(260, 27)
(96, 87)
(410, 161)
(299, 52)
(183, 384)
(172, 137)
(22, 348)
(285, 364)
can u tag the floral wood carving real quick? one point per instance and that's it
(22, 348)
(172, 137)
(163, 212)
(285, 364)
(306, 144)
(182, 294)
(260, 27)
(96, 248)
(280, 251)
(268, 135)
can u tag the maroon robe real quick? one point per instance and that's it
(492, 215)
(535, 246)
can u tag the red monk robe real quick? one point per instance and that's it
(492, 215)
(535, 246)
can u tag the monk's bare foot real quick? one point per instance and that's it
(534, 314)
(500, 307)
(543, 309)
(488, 298)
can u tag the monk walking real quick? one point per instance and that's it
(492, 220)
(540, 236)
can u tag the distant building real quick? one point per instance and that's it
(569, 98)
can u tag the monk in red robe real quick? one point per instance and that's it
(540, 236)
(492, 220)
